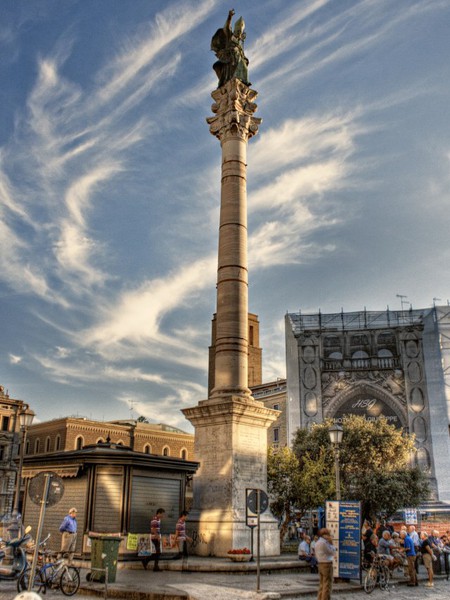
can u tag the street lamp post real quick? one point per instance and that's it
(336, 434)
(25, 419)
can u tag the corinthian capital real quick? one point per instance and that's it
(234, 108)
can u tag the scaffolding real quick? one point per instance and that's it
(353, 321)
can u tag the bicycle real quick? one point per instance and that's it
(52, 575)
(378, 572)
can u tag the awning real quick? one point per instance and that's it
(62, 471)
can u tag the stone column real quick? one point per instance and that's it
(234, 124)
(231, 427)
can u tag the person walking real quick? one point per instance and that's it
(68, 528)
(325, 552)
(155, 535)
(410, 553)
(181, 539)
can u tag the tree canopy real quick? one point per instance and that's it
(375, 469)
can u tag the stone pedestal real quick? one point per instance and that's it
(231, 444)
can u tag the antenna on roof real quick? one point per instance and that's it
(402, 299)
(132, 403)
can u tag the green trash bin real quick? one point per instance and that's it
(104, 554)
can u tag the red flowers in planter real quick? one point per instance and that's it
(239, 551)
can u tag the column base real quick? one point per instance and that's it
(231, 445)
(214, 533)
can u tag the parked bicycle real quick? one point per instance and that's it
(378, 572)
(52, 575)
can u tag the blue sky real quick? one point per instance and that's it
(110, 185)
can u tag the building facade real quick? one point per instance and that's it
(73, 433)
(273, 395)
(395, 364)
(9, 448)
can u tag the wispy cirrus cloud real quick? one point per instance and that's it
(129, 67)
(312, 157)
(136, 315)
(14, 359)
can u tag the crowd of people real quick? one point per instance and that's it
(407, 549)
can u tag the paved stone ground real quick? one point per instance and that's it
(170, 585)
(440, 591)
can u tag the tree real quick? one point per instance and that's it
(375, 464)
(291, 487)
(282, 484)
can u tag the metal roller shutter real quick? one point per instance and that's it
(108, 502)
(147, 495)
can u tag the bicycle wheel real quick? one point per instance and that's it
(70, 581)
(385, 576)
(38, 583)
(370, 580)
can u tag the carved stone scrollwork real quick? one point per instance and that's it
(234, 108)
(335, 383)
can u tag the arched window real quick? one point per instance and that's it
(47, 444)
(386, 339)
(37, 443)
(360, 359)
(184, 454)
(385, 359)
(27, 447)
(58, 443)
(120, 443)
(100, 441)
(166, 451)
(332, 347)
(360, 354)
(147, 449)
(79, 442)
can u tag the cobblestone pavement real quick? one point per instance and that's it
(440, 591)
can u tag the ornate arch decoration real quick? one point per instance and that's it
(360, 389)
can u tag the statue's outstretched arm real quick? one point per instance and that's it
(228, 21)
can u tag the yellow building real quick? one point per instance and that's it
(73, 433)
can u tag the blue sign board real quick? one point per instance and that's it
(349, 540)
(344, 522)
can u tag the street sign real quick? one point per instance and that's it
(37, 488)
(252, 521)
(411, 516)
(252, 502)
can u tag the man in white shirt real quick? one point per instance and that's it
(325, 552)
(416, 541)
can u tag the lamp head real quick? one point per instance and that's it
(26, 418)
(336, 434)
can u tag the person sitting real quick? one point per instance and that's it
(397, 547)
(385, 547)
(304, 553)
